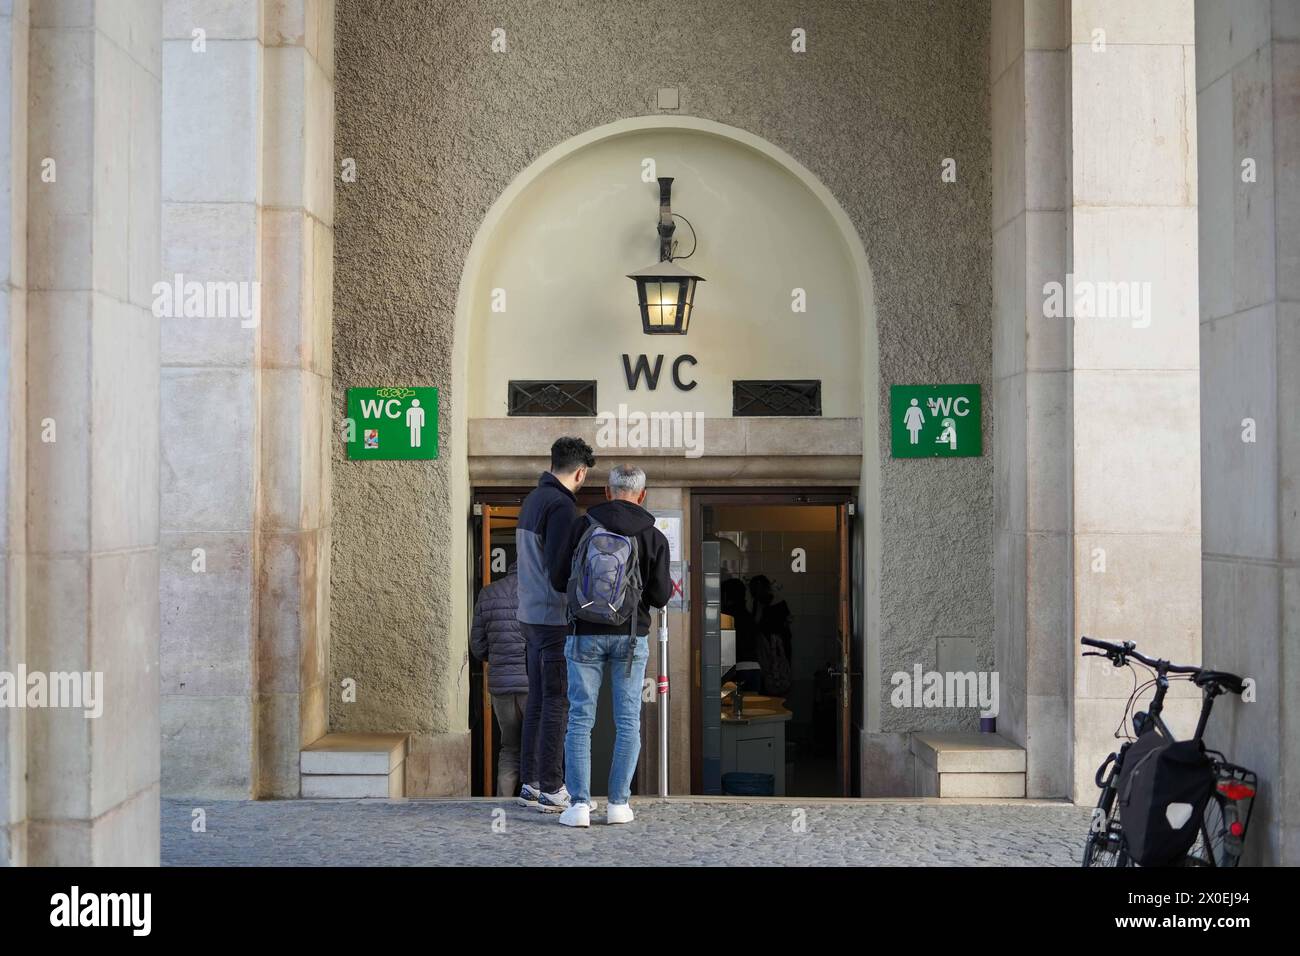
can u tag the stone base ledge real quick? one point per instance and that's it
(968, 765)
(438, 765)
(392, 786)
(968, 753)
(354, 766)
(930, 783)
(364, 754)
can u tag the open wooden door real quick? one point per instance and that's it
(496, 545)
(844, 673)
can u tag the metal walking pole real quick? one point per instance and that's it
(663, 701)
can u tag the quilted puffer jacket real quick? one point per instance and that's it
(495, 636)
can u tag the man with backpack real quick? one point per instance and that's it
(614, 570)
(545, 521)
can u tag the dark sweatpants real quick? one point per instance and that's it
(541, 750)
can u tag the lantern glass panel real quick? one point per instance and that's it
(662, 302)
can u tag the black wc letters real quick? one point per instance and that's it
(652, 375)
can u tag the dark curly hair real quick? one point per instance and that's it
(567, 454)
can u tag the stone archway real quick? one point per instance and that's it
(864, 407)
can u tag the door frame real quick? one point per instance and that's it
(482, 500)
(699, 497)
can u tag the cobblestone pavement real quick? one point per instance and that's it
(679, 832)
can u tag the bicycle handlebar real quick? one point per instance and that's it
(1119, 652)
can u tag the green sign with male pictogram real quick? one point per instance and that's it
(386, 423)
(935, 421)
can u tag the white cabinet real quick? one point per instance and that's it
(755, 746)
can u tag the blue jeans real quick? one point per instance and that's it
(587, 655)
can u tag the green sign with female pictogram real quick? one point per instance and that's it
(935, 421)
(395, 422)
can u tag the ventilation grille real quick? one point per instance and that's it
(552, 399)
(772, 397)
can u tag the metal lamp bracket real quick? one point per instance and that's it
(666, 224)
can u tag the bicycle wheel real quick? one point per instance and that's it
(1210, 848)
(1105, 844)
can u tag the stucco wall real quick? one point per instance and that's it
(438, 125)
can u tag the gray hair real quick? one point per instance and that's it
(626, 480)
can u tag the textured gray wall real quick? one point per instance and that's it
(439, 125)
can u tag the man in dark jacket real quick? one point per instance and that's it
(545, 521)
(593, 645)
(495, 637)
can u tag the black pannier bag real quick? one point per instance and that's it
(1163, 788)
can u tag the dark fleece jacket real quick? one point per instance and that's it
(629, 519)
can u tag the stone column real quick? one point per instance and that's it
(93, 422)
(1248, 95)
(1134, 379)
(1029, 60)
(247, 199)
(13, 417)
(211, 442)
(297, 294)
(1097, 457)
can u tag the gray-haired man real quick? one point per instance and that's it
(592, 645)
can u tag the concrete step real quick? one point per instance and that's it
(355, 786)
(354, 766)
(968, 765)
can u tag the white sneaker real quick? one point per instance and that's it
(554, 802)
(618, 813)
(578, 815)
(528, 795)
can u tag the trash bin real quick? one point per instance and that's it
(738, 784)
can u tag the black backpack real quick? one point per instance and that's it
(1164, 786)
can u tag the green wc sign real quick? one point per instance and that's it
(388, 423)
(935, 421)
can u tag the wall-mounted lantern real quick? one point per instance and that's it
(666, 291)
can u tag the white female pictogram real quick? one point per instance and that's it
(913, 418)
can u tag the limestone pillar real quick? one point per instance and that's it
(13, 417)
(211, 121)
(1096, 401)
(1134, 379)
(92, 422)
(247, 199)
(296, 336)
(1248, 95)
(1029, 60)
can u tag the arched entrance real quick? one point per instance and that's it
(543, 296)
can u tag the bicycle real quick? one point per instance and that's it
(1221, 831)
